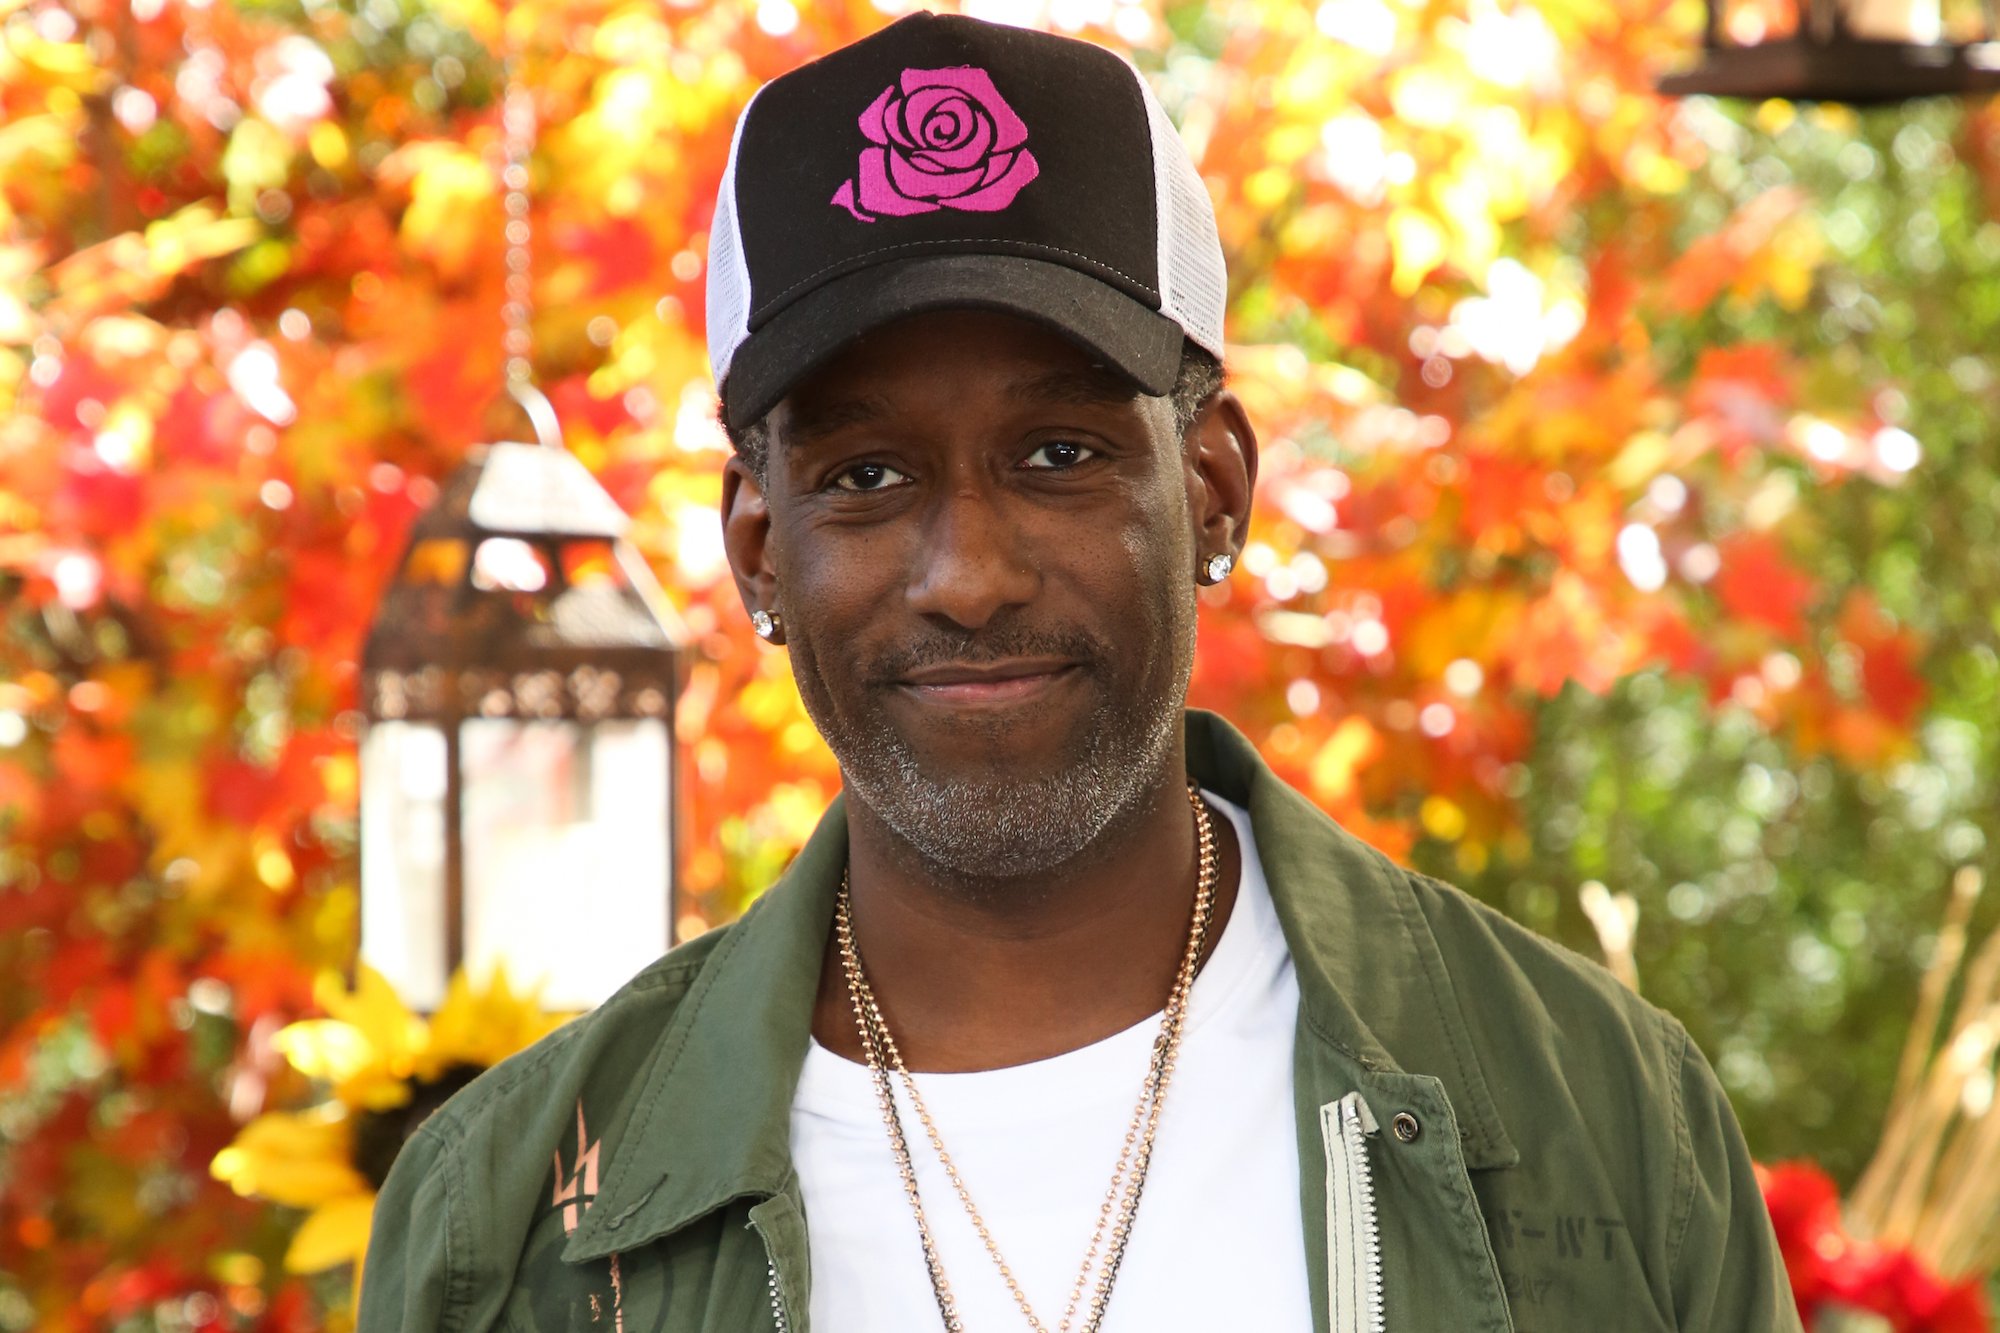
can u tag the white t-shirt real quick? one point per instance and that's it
(1217, 1242)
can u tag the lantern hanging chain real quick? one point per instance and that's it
(517, 121)
(517, 125)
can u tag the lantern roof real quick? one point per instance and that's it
(520, 570)
(532, 490)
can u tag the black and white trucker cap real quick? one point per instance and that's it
(946, 162)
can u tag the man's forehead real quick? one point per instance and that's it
(868, 384)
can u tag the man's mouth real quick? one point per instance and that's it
(1008, 680)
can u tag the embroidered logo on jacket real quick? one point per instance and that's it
(576, 1188)
(575, 1192)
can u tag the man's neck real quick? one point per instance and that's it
(1024, 970)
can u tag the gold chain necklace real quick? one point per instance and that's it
(1128, 1176)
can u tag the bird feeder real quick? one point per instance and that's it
(1859, 52)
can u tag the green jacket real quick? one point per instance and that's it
(1531, 1148)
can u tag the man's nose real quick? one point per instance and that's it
(975, 560)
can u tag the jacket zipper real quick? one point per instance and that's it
(1354, 1237)
(777, 1301)
(778, 1320)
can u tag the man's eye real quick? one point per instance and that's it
(869, 477)
(1058, 454)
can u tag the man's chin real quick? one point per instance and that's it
(986, 798)
(983, 822)
(995, 752)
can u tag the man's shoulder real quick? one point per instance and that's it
(1509, 961)
(1621, 1127)
(1553, 1028)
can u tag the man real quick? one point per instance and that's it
(1071, 1015)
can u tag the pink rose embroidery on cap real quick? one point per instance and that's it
(944, 138)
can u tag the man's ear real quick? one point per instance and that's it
(1220, 449)
(746, 537)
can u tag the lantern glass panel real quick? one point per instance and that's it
(566, 848)
(403, 858)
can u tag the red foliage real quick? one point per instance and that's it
(1758, 584)
(1831, 1270)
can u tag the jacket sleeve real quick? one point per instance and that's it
(1727, 1271)
(405, 1282)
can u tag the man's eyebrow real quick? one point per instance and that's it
(1093, 387)
(815, 422)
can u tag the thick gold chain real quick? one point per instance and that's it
(1128, 1176)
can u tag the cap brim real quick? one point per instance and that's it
(1099, 318)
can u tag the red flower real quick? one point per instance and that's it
(1805, 1213)
(1831, 1270)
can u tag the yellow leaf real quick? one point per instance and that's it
(342, 778)
(1476, 623)
(336, 1233)
(1287, 144)
(328, 144)
(1427, 96)
(274, 867)
(194, 234)
(324, 1048)
(18, 324)
(69, 65)
(1775, 115)
(1468, 206)
(631, 35)
(767, 703)
(1644, 456)
(259, 158)
(373, 1007)
(1442, 819)
(451, 191)
(483, 1026)
(126, 436)
(1418, 244)
(1334, 769)
(300, 1159)
(481, 18)
(1658, 173)
(1268, 188)
(388, 1040)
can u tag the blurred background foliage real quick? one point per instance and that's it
(1626, 519)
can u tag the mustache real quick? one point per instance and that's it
(938, 646)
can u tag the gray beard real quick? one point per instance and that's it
(1006, 826)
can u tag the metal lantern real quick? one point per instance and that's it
(1864, 52)
(517, 773)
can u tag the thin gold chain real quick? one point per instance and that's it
(1128, 1176)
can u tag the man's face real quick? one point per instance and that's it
(983, 549)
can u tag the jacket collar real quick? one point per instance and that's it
(713, 1123)
(1372, 980)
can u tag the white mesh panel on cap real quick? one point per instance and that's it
(728, 272)
(1194, 285)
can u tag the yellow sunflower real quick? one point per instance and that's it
(386, 1069)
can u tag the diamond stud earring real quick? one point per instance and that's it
(766, 625)
(1218, 567)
